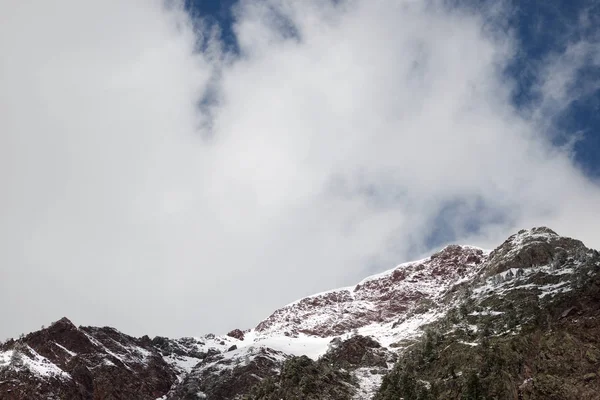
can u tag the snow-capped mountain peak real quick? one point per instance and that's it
(378, 299)
(352, 336)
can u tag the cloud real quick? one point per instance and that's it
(161, 189)
(566, 76)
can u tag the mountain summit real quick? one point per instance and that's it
(519, 322)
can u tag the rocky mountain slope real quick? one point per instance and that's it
(519, 322)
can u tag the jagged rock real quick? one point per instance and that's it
(64, 361)
(535, 247)
(236, 333)
(356, 352)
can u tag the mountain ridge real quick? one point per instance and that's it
(356, 336)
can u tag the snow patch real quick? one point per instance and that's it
(69, 352)
(183, 364)
(32, 361)
(369, 382)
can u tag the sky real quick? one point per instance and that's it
(178, 168)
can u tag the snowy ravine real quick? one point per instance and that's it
(378, 317)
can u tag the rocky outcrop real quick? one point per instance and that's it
(358, 352)
(64, 361)
(237, 334)
(535, 247)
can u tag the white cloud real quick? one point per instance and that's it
(339, 135)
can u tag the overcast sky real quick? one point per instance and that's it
(155, 180)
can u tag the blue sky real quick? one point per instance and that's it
(541, 28)
(544, 28)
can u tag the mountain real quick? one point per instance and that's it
(519, 322)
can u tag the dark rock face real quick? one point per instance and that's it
(358, 351)
(237, 334)
(186, 346)
(66, 362)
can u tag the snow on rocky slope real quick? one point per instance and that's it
(377, 300)
(390, 308)
(68, 362)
